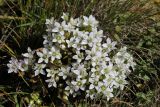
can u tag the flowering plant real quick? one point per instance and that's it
(76, 52)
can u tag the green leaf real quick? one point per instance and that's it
(146, 78)
(152, 30)
(118, 29)
(117, 37)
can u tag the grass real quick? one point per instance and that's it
(133, 23)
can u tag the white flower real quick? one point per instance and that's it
(107, 69)
(49, 21)
(95, 61)
(79, 84)
(91, 39)
(107, 92)
(44, 56)
(13, 65)
(39, 69)
(67, 27)
(65, 16)
(79, 70)
(58, 38)
(109, 45)
(70, 42)
(94, 80)
(56, 27)
(64, 72)
(54, 54)
(24, 64)
(91, 94)
(70, 87)
(30, 53)
(52, 72)
(29, 57)
(90, 21)
(51, 82)
(73, 22)
(47, 40)
(79, 56)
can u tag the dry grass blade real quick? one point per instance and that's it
(11, 18)
(119, 102)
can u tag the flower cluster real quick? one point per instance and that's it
(78, 53)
